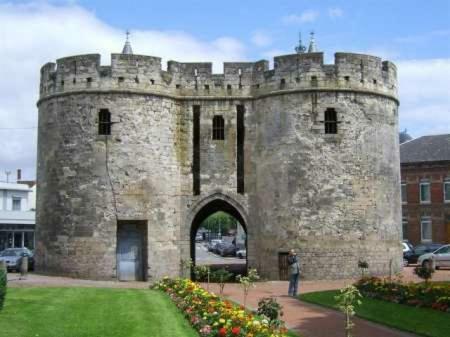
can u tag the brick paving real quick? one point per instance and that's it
(308, 319)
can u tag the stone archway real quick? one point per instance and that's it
(210, 205)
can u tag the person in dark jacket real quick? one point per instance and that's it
(294, 273)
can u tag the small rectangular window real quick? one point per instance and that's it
(218, 128)
(425, 192)
(104, 122)
(426, 230)
(331, 121)
(404, 195)
(447, 190)
(314, 82)
(282, 83)
(405, 227)
(16, 204)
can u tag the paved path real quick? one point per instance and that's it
(308, 319)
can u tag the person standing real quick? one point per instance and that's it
(294, 273)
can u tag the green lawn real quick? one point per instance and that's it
(422, 321)
(90, 312)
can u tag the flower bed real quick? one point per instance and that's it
(214, 317)
(435, 296)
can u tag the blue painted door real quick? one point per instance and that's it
(129, 253)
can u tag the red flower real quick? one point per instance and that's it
(222, 332)
(236, 330)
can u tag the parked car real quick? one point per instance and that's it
(437, 259)
(242, 253)
(423, 248)
(211, 246)
(226, 249)
(198, 237)
(407, 247)
(13, 258)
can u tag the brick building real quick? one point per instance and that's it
(425, 189)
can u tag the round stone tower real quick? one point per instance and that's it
(132, 158)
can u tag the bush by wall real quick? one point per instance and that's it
(435, 296)
(3, 284)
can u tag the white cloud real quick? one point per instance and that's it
(307, 16)
(35, 33)
(424, 90)
(335, 12)
(261, 39)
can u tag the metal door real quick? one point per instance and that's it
(129, 253)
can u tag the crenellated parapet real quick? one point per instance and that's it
(144, 74)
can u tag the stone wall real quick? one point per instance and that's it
(334, 197)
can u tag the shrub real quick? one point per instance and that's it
(3, 285)
(348, 298)
(221, 276)
(363, 265)
(435, 296)
(247, 282)
(270, 308)
(424, 273)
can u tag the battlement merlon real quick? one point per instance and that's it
(130, 71)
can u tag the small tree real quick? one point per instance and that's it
(248, 282)
(3, 283)
(270, 308)
(203, 272)
(221, 276)
(363, 265)
(348, 298)
(424, 272)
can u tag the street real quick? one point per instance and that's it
(203, 257)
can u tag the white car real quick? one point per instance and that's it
(242, 254)
(437, 259)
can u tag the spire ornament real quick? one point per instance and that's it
(312, 44)
(300, 49)
(127, 47)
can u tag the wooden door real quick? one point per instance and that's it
(283, 266)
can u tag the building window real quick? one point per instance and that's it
(331, 121)
(404, 195)
(104, 122)
(426, 229)
(16, 204)
(405, 227)
(447, 190)
(218, 128)
(425, 192)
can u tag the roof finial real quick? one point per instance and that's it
(127, 47)
(312, 44)
(300, 49)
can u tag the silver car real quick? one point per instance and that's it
(437, 259)
(13, 256)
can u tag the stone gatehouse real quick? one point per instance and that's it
(304, 155)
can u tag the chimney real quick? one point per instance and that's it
(19, 174)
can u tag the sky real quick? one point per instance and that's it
(414, 34)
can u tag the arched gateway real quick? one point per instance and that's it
(210, 205)
(131, 158)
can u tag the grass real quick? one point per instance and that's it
(91, 312)
(421, 321)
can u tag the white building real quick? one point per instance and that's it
(17, 215)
